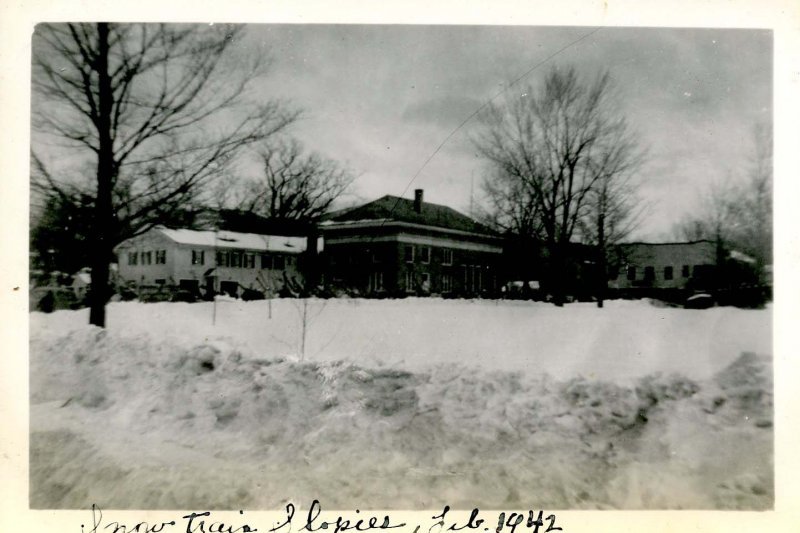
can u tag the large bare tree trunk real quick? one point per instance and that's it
(105, 172)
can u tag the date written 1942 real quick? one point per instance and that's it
(506, 522)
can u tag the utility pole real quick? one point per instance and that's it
(601, 259)
(471, 194)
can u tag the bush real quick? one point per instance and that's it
(252, 294)
(182, 295)
(126, 294)
(53, 298)
(47, 303)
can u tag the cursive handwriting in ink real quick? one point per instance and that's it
(141, 527)
(312, 522)
(472, 523)
(341, 524)
(515, 519)
(288, 522)
(213, 527)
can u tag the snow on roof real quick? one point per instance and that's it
(358, 221)
(230, 239)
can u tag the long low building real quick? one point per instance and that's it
(211, 262)
(673, 265)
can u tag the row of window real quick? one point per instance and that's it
(650, 272)
(410, 252)
(236, 259)
(473, 278)
(146, 258)
(232, 259)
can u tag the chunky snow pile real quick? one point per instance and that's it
(149, 414)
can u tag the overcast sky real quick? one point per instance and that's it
(382, 98)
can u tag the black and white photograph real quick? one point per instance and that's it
(400, 266)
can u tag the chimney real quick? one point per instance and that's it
(418, 200)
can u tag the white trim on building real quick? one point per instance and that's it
(421, 240)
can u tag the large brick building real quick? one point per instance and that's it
(395, 246)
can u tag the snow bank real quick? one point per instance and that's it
(620, 343)
(158, 411)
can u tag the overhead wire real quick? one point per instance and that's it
(484, 106)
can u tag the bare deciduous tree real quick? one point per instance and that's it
(753, 227)
(295, 185)
(737, 213)
(159, 110)
(561, 155)
(512, 206)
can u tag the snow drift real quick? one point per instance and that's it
(132, 418)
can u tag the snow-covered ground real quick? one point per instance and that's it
(402, 404)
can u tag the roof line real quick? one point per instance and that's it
(667, 243)
(381, 222)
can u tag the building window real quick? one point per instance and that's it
(668, 272)
(426, 282)
(236, 259)
(289, 261)
(447, 256)
(198, 257)
(425, 254)
(279, 262)
(631, 273)
(266, 261)
(685, 271)
(409, 253)
(649, 273)
(410, 281)
(222, 259)
(250, 261)
(161, 257)
(161, 282)
(613, 272)
(147, 258)
(132, 258)
(376, 281)
(447, 283)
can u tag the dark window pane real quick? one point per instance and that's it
(409, 253)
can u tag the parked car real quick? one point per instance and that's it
(521, 290)
(699, 300)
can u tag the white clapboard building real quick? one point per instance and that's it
(211, 262)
